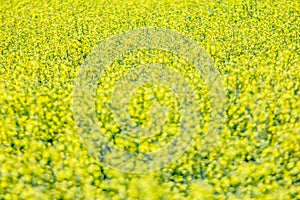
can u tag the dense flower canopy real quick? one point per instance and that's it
(254, 46)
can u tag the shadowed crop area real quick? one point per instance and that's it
(254, 46)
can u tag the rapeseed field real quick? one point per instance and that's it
(254, 48)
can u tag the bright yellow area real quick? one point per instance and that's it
(255, 47)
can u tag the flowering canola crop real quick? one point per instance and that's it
(254, 46)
